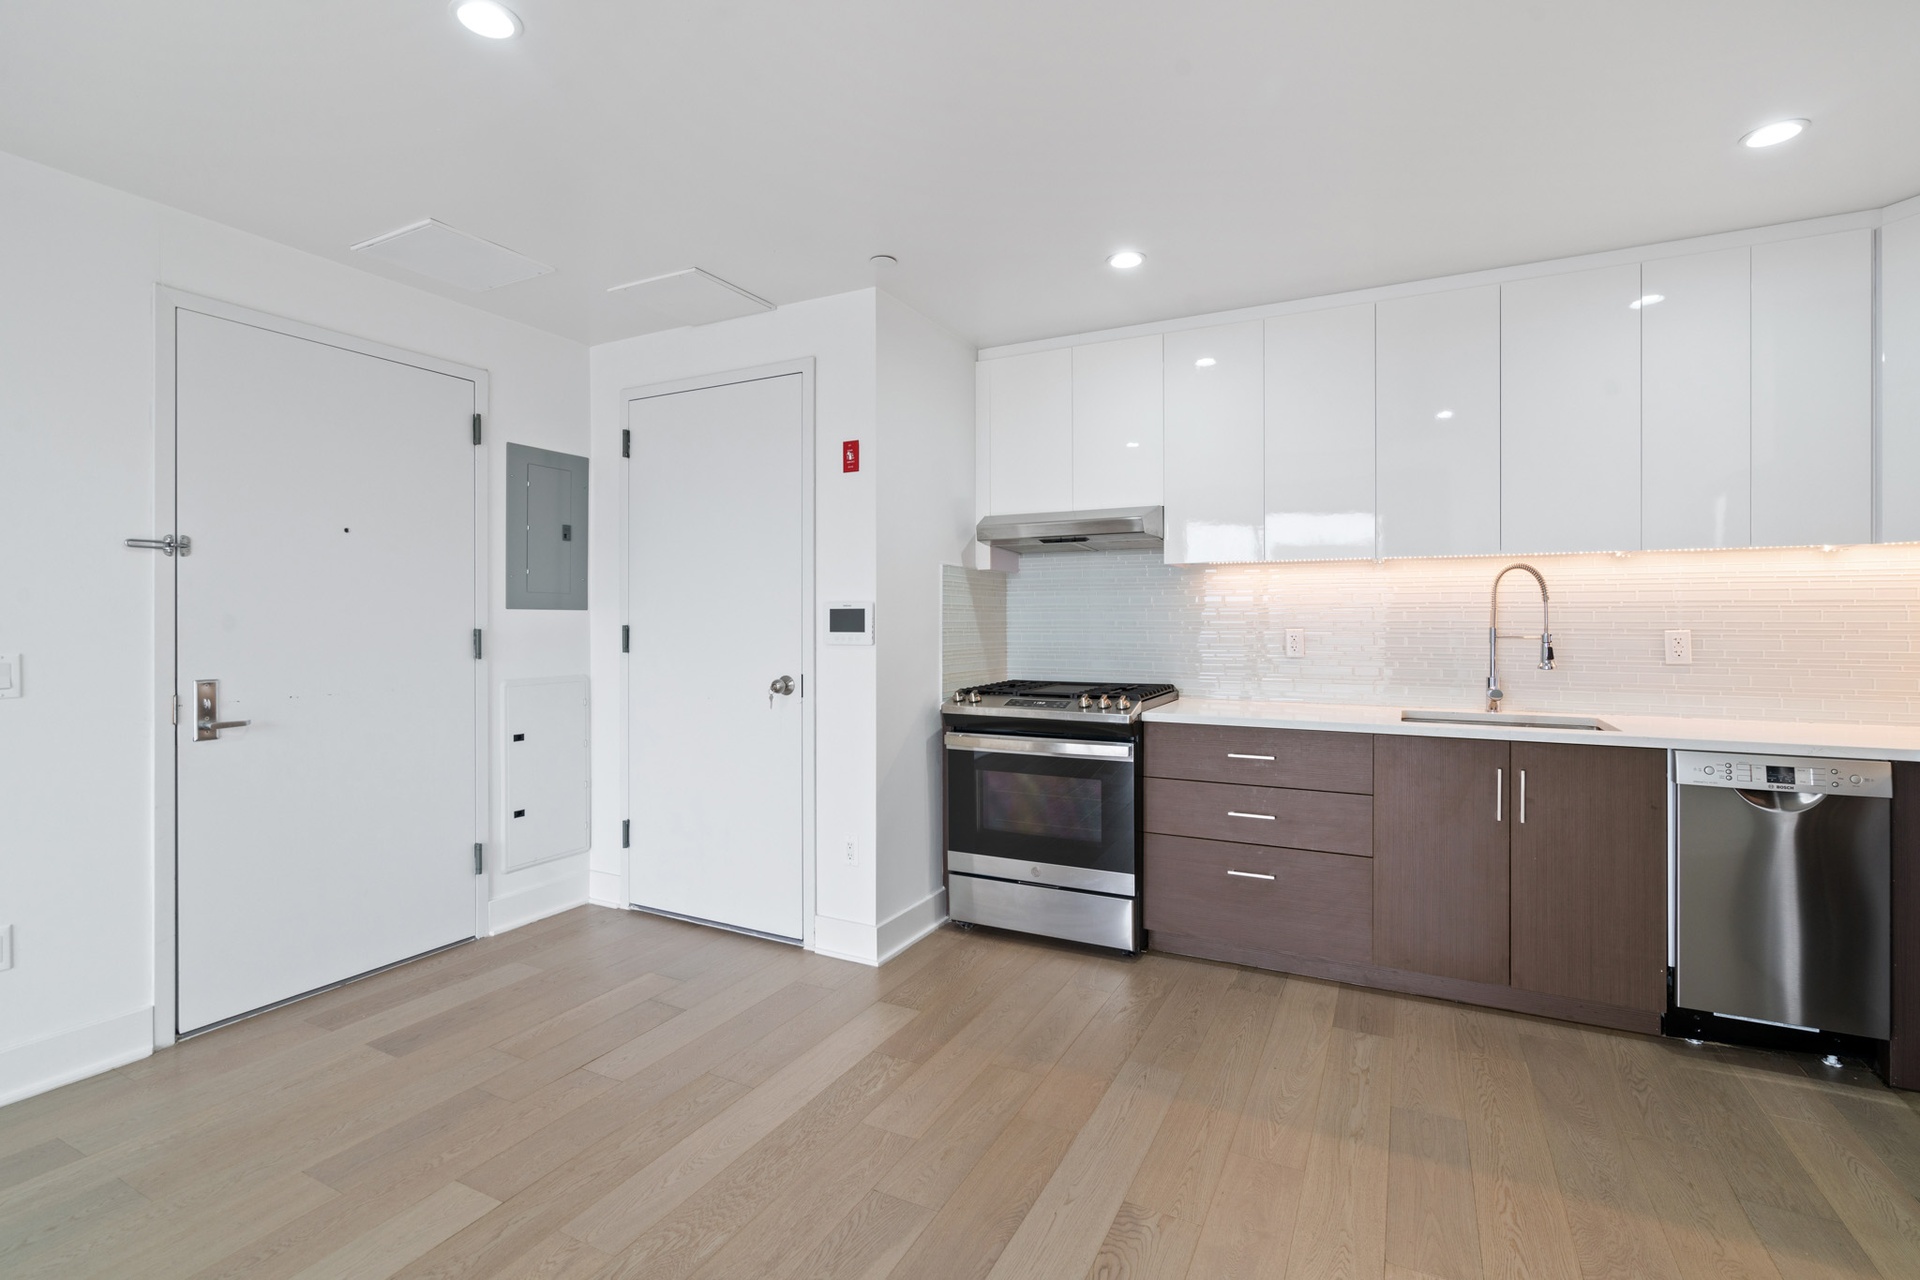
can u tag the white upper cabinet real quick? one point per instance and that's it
(1570, 412)
(1319, 428)
(1696, 401)
(1116, 424)
(1899, 495)
(1437, 378)
(1214, 444)
(1813, 390)
(1030, 433)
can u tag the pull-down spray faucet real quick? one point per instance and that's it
(1495, 635)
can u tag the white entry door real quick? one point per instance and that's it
(717, 600)
(330, 592)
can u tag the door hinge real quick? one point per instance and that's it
(626, 638)
(479, 860)
(626, 833)
(626, 444)
(176, 710)
(476, 644)
(476, 428)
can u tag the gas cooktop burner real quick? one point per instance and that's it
(1060, 698)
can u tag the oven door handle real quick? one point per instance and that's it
(995, 743)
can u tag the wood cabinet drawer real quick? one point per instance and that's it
(1327, 821)
(1287, 900)
(1261, 757)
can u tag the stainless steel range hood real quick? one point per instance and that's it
(1117, 529)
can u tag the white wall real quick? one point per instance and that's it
(838, 332)
(923, 457)
(78, 267)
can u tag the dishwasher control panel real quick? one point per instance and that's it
(1805, 774)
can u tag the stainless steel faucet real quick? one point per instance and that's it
(1495, 635)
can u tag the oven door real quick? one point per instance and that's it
(1055, 811)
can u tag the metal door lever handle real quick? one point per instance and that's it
(165, 546)
(224, 724)
(206, 694)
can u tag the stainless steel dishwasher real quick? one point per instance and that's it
(1784, 890)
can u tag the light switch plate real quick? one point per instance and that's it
(9, 675)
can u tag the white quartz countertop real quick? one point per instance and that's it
(1682, 733)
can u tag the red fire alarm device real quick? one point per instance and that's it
(850, 455)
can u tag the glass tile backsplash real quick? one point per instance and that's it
(1790, 634)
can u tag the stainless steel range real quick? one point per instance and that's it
(1043, 820)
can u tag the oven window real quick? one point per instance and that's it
(1038, 804)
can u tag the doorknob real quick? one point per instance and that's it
(206, 704)
(783, 686)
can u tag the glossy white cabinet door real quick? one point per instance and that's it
(1030, 433)
(1116, 424)
(1437, 380)
(1570, 412)
(1696, 401)
(1813, 390)
(1214, 444)
(1320, 435)
(1899, 495)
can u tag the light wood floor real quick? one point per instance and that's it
(609, 1094)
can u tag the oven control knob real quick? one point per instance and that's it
(1125, 702)
(1086, 700)
(973, 696)
(1106, 703)
(959, 695)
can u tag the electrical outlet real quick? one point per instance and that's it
(1296, 642)
(1679, 648)
(6, 947)
(853, 852)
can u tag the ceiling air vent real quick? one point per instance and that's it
(691, 296)
(439, 252)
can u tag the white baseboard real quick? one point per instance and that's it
(607, 889)
(876, 944)
(533, 904)
(62, 1058)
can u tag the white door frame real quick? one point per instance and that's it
(166, 830)
(804, 366)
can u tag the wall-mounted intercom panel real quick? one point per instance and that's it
(849, 622)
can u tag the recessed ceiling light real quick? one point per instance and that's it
(487, 18)
(1205, 362)
(1647, 300)
(1133, 444)
(1126, 260)
(1769, 135)
(1444, 414)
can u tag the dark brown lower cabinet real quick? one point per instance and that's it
(1589, 868)
(1440, 856)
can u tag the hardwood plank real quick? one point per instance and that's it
(1143, 1245)
(1704, 1224)
(936, 1163)
(1341, 1227)
(1062, 1231)
(1807, 1247)
(1883, 1219)
(966, 1238)
(772, 985)
(562, 1057)
(866, 1243)
(558, 1257)
(404, 1237)
(30, 1163)
(1430, 1217)
(1276, 1124)
(1426, 1067)
(568, 1023)
(615, 1220)
(1072, 1089)
(1518, 1213)
(1250, 1224)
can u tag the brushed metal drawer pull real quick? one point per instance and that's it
(1241, 755)
(1264, 817)
(1251, 875)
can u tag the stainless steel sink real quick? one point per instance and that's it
(1508, 719)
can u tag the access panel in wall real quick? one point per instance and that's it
(546, 529)
(546, 769)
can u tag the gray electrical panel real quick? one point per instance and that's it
(546, 529)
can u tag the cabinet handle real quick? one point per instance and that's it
(1264, 817)
(1523, 797)
(1251, 875)
(1499, 799)
(1241, 755)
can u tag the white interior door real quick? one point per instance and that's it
(717, 598)
(330, 591)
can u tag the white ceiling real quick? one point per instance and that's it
(1256, 150)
